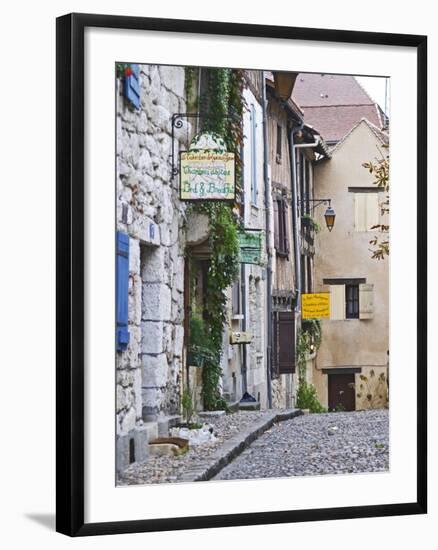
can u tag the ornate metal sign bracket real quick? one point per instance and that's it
(177, 122)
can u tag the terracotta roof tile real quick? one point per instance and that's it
(333, 123)
(317, 90)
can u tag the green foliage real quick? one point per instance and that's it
(306, 393)
(380, 170)
(307, 398)
(222, 106)
(121, 68)
(374, 389)
(314, 329)
(308, 220)
(187, 405)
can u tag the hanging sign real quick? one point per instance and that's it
(207, 170)
(250, 243)
(315, 306)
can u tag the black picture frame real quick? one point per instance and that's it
(70, 273)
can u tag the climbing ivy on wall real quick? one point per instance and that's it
(222, 106)
(306, 393)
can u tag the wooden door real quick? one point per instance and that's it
(340, 392)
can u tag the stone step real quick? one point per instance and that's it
(249, 405)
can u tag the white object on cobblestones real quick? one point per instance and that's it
(196, 437)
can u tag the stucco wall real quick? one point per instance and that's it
(345, 253)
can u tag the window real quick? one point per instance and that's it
(352, 301)
(280, 226)
(366, 211)
(253, 155)
(279, 148)
(235, 297)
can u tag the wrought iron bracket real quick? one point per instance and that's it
(318, 202)
(177, 122)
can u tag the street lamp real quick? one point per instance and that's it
(329, 214)
(330, 218)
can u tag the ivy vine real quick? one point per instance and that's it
(222, 106)
(309, 339)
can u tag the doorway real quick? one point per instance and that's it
(341, 392)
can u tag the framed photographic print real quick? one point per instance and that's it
(241, 274)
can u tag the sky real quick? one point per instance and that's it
(375, 87)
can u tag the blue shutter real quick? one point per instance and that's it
(122, 290)
(132, 86)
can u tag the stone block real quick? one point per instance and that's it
(152, 341)
(160, 117)
(146, 230)
(137, 384)
(128, 421)
(178, 340)
(122, 452)
(154, 269)
(152, 399)
(125, 378)
(173, 78)
(198, 228)
(152, 429)
(134, 299)
(134, 255)
(141, 447)
(155, 370)
(157, 301)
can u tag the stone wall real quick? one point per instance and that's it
(149, 211)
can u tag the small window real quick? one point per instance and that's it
(235, 297)
(253, 155)
(279, 147)
(281, 234)
(352, 301)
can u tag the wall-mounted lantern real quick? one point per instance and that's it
(330, 218)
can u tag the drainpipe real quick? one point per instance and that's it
(295, 229)
(243, 369)
(268, 248)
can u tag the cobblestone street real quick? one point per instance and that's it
(313, 444)
(333, 443)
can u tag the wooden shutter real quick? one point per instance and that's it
(337, 302)
(285, 228)
(286, 342)
(360, 223)
(372, 210)
(366, 301)
(122, 284)
(276, 225)
(131, 86)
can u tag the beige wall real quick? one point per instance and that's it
(345, 253)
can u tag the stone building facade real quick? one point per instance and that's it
(150, 213)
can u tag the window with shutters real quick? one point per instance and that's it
(351, 300)
(366, 211)
(281, 234)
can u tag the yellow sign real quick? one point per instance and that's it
(315, 306)
(207, 175)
